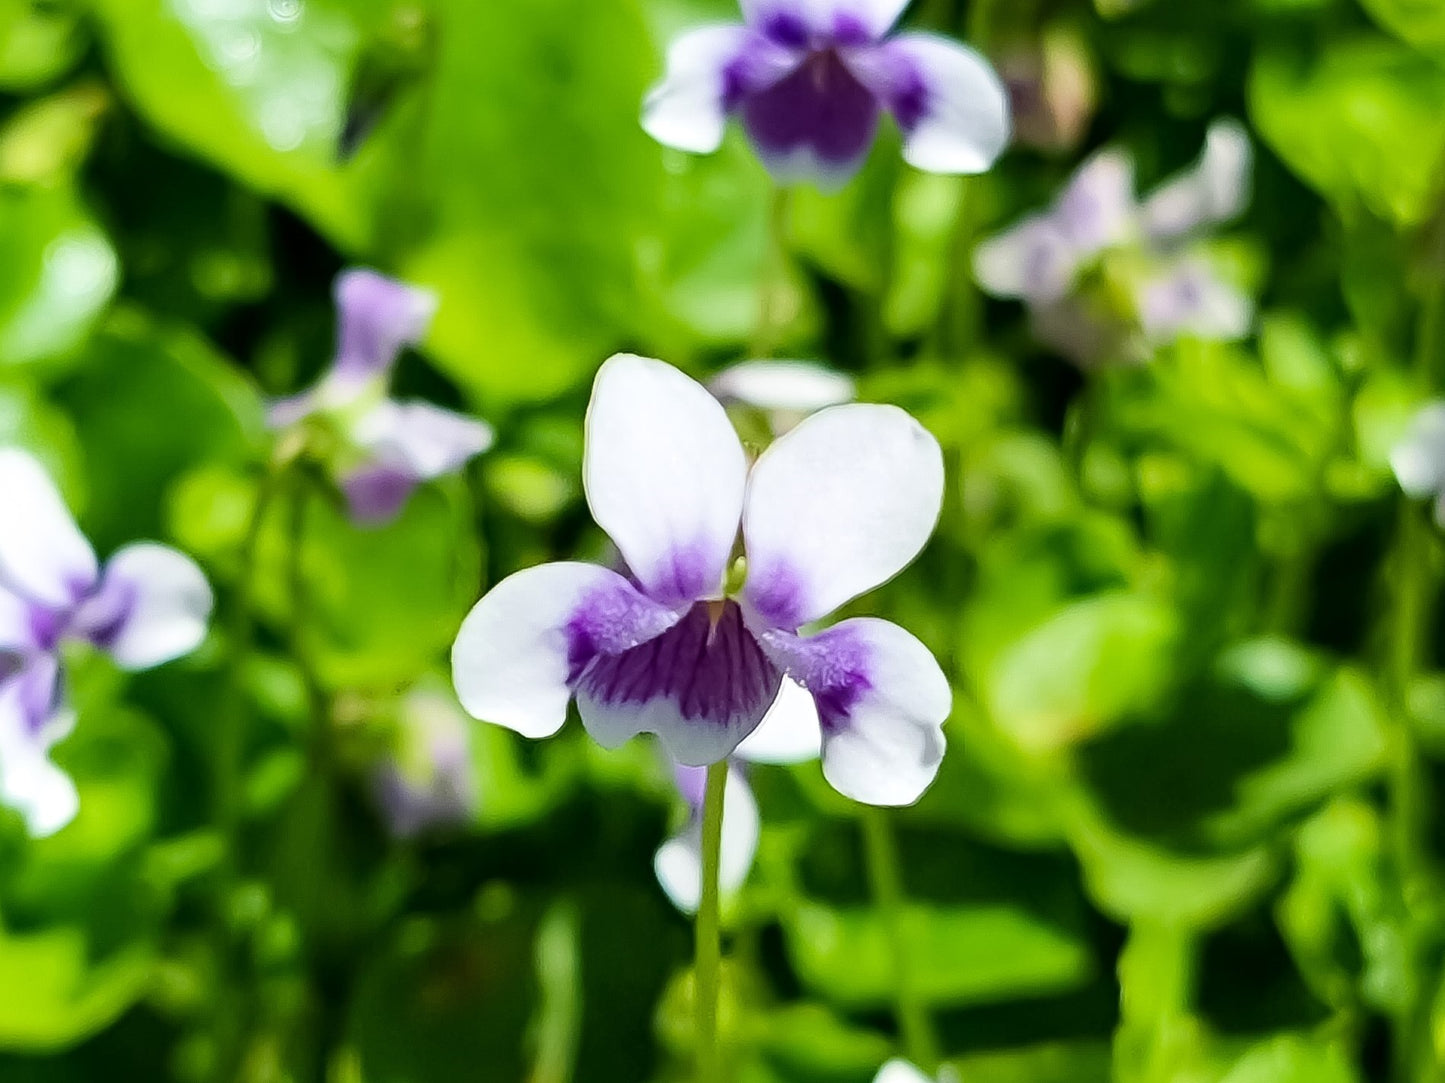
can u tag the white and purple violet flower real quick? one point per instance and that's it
(695, 645)
(1161, 289)
(388, 448)
(1418, 460)
(809, 80)
(148, 605)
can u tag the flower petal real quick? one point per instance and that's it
(515, 656)
(688, 109)
(836, 507)
(789, 732)
(153, 605)
(701, 686)
(375, 495)
(948, 100)
(882, 700)
(17, 626)
(665, 474)
(815, 125)
(678, 863)
(418, 437)
(1192, 299)
(1419, 460)
(1097, 209)
(377, 316)
(793, 386)
(30, 724)
(1033, 261)
(1215, 190)
(822, 22)
(43, 555)
(900, 1071)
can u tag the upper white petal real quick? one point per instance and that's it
(1214, 191)
(686, 109)
(1419, 460)
(788, 733)
(425, 441)
(965, 122)
(888, 748)
(1033, 260)
(900, 1071)
(678, 863)
(43, 555)
(798, 386)
(512, 659)
(665, 475)
(170, 605)
(837, 506)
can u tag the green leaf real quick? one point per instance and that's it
(1290, 1059)
(1419, 22)
(52, 994)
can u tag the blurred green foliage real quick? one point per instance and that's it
(1184, 831)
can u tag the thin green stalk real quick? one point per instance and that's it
(709, 928)
(920, 1044)
(772, 293)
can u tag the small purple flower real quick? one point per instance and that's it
(694, 647)
(430, 782)
(391, 447)
(148, 605)
(789, 733)
(1046, 259)
(809, 80)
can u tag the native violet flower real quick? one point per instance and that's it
(387, 448)
(1419, 459)
(785, 392)
(900, 1071)
(695, 645)
(148, 605)
(788, 734)
(809, 79)
(1108, 278)
(429, 783)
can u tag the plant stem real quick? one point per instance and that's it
(881, 851)
(709, 928)
(773, 291)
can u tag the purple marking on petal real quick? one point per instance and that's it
(776, 593)
(375, 495)
(610, 621)
(833, 666)
(819, 113)
(46, 627)
(102, 617)
(786, 28)
(377, 316)
(40, 692)
(11, 663)
(691, 784)
(850, 30)
(708, 664)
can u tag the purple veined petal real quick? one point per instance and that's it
(837, 507)
(522, 645)
(376, 494)
(377, 317)
(1418, 461)
(707, 69)
(31, 723)
(794, 387)
(664, 473)
(789, 733)
(1191, 299)
(1033, 261)
(678, 863)
(882, 701)
(701, 686)
(153, 605)
(1098, 208)
(820, 23)
(419, 438)
(1214, 191)
(949, 102)
(900, 1071)
(43, 555)
(815, 125)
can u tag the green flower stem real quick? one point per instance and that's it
(773, 292)
(920, 1044)
(709, 928)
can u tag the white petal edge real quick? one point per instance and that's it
(798, 386)
(30, 782)
(665, 474)
(789, 733)
(837, 507)
(510, 662)
(965, 125)
(685, 110)
(678, 863)
(170, 605)
(1032, 261)
(425, 440)
(43, 555)
(1215, 190)
(1418, 461)
(900, 1071)
(889, 748)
